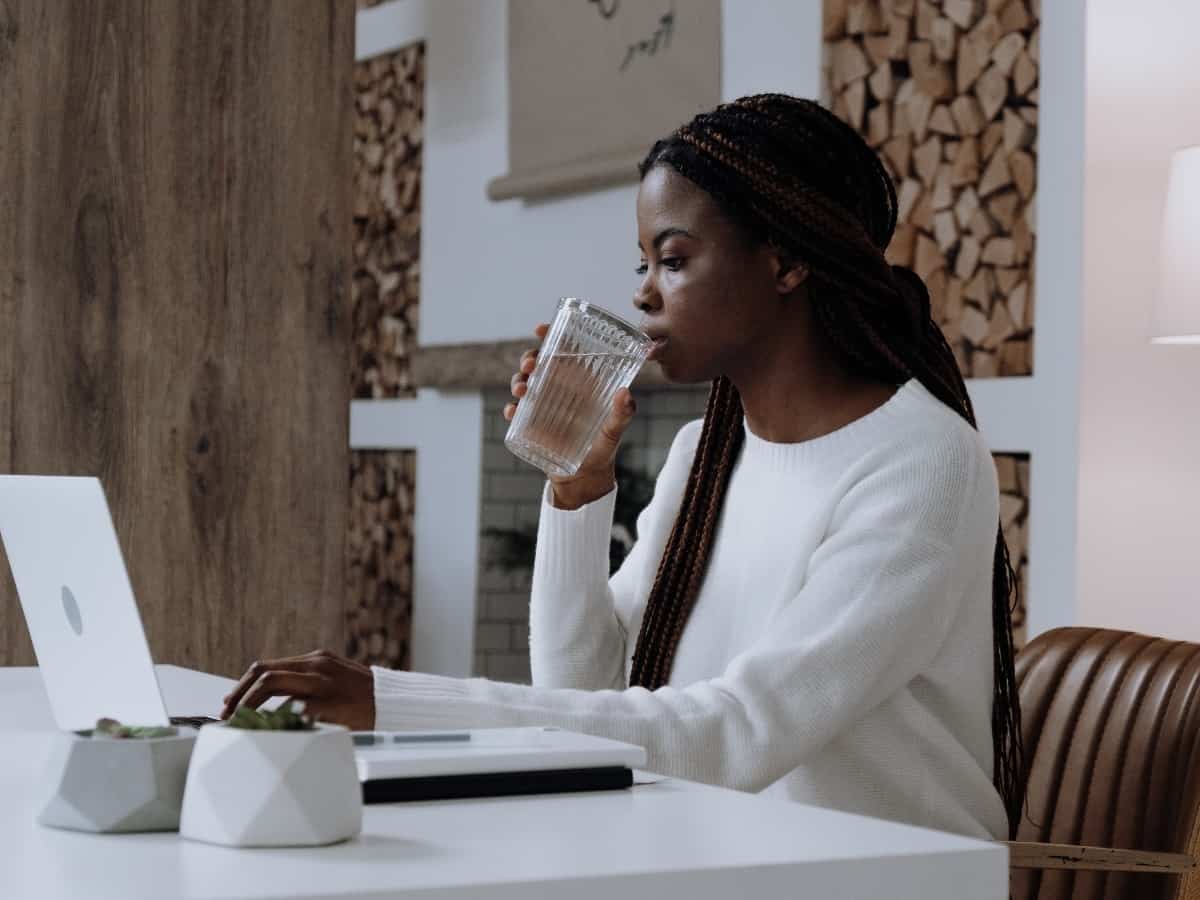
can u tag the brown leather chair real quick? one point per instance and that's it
(1111, 724)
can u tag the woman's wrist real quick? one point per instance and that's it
(575, 493)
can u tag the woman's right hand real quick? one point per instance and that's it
(597, 474)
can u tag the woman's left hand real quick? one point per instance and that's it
(333, 689)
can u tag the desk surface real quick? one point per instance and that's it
(672, 838)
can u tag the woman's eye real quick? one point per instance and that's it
(671, 263)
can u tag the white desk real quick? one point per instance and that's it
(668, 840)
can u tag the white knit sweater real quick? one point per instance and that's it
(840, 649)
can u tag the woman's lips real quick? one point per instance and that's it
(657, 349)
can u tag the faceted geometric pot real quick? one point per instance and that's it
(248, 788)
(105, 784)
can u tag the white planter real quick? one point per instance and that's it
(272, 788)
(99, 784)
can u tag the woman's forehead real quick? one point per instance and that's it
(664, 195)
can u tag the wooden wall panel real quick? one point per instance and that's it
(14, 639)
(178, 257)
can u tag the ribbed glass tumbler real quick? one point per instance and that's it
(588, 355)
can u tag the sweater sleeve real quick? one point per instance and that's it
(580, 620)
(878, 599)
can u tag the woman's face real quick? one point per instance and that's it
(709, 295)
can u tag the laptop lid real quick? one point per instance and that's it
(78, 602)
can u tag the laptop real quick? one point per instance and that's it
(488, 762)
(95, 661)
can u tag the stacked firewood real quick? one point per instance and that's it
(1012, 470)
(390, 99)
(388, 137)
(947, 93)
(379, 553)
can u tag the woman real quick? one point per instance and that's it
(818, 602)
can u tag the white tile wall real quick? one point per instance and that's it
(512, 498)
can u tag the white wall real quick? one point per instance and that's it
(1139, 499)
(490, 271)
(1040, 414)
(446, 431)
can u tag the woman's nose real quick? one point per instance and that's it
(645, 298)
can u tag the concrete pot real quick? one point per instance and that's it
(272, 788)
(102, 784)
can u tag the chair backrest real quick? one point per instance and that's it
(1111, 726)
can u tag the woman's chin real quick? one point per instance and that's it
(668, 372)
(676, 375)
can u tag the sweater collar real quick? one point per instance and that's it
(857, 434)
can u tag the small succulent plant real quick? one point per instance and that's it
(112, 729)
(289, 716)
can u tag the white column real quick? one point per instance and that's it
(446, 431)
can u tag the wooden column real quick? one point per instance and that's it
(174, 245)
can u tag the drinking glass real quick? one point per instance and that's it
(588, 355)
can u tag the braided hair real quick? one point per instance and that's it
(793, 175)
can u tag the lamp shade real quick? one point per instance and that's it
(1177, 305)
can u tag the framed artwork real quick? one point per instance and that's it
(593, 83)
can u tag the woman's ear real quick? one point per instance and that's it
(789, 273)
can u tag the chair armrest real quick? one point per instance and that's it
(1034, 855)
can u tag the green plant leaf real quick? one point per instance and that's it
(289, 716)
(112, 729)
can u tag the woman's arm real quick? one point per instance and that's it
(579, 618)
(881, 593)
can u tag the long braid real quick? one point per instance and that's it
(683, 563)
(794, 175)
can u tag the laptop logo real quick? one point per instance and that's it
(71, 608)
